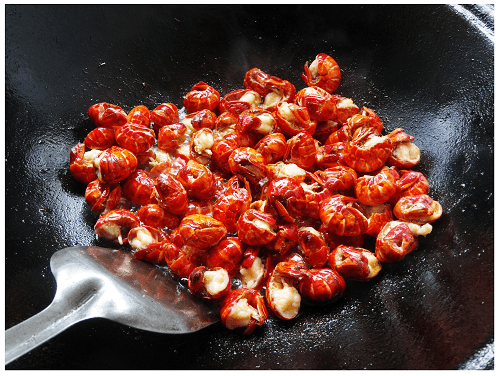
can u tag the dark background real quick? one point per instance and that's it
(427, 69)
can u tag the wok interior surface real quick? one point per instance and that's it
(427, 69)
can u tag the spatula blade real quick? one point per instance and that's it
(132, 292)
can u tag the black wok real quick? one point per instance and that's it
(428, 69)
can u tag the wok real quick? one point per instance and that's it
(425, 68)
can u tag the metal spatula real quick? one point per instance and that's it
(113, 284)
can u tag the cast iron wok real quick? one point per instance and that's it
(427, 69)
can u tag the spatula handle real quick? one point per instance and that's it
(54, 319)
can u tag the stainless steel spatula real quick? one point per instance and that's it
(113, 284)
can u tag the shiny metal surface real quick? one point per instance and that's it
(426, 68)
(108, 283)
